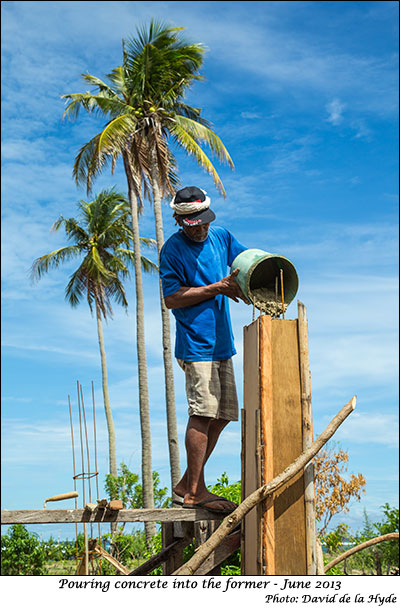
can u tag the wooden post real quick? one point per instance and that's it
(170, 533)
(306, 405)
(202, 531)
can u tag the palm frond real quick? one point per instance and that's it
(129, 256)
(52, 260)
(201, 133)
(72, 228)
(97, 82)
(105, 104)
(148, 241)
(89, 162)
(117, 77)
(116, 133)
(116, 291)
(192, 148)
(77, 286)
(96, 269)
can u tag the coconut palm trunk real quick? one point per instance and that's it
(107, 407)
(172, 428)
(144, 407)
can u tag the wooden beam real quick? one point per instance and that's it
(170, 533)
(160, 515)
(228, 546)
(169, 553)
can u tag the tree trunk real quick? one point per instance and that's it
(172, 428)
(110, 423)
(147, 472)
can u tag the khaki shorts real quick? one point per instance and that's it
(211, 389)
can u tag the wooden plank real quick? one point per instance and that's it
(168, 552)
(290, 551)
(306, 408)
(266, 411)
(228, 546)
(160, 515)
(251, 399)
(242, 478)
(259, 507)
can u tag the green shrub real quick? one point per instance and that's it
(22, 553)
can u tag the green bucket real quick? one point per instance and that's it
(261, 270)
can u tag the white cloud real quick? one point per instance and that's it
(370, 428)
(335, 109)
(250, 115)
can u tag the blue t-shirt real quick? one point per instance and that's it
(203, 331)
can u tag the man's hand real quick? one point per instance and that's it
(187, 296)
(229, 287)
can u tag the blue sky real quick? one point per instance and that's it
(304, 96)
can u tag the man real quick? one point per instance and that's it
(193, 266)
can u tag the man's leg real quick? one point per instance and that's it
(201, 437)
(203, 380)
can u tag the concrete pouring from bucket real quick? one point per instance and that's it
(259, 279)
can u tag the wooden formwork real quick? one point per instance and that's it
(274, 534)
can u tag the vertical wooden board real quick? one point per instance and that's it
(290, 545)
(252, 541)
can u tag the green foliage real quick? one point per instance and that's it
(379, 559)
(62, 550)
(128, 549)
(22, 553)
(126, 487)
(231, 491)
(334, 540)
(383, 557)
(132, 549)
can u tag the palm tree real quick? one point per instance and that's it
(102, 238)
(145, 110)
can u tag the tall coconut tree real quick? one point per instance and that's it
(143, 101)
(101, 238)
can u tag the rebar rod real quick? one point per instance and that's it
(95, 458)
(82, 457)
(74, 470)
(88, 454)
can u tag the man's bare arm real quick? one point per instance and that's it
(187, 296)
